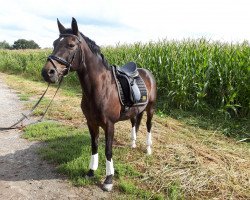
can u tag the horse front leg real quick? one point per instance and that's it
(94, 133)
(109, 136)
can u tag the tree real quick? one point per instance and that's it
(25, 44)
(4, 45)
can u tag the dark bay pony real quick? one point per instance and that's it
(100, 101)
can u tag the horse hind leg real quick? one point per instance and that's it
(135, 127)
(150, 113)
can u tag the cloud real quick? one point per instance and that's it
(111, 21)
(11, 27)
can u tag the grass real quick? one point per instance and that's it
(23, 97)
(216, 121)
(192, 158)
(69, 148)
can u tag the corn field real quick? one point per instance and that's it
(190, 74)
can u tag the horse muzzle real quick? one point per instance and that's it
(50, 74)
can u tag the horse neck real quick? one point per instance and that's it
(90, 70)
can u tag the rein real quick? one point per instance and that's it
(14, 126)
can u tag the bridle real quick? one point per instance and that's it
(67, 64)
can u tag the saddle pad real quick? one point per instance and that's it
(124, 91)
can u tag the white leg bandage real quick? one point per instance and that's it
(109, 168)
(149, 143)
(133, 137)
(149, 139)
(94, 162)
(149, 150)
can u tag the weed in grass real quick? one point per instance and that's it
(38, 112)
(23, 97)
(129, 188)
(137, 193)
(174, 192)
(123, 170)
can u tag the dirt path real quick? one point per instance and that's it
(23, 175)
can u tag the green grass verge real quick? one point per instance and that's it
(23, 97)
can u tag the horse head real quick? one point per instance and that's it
(66, 55)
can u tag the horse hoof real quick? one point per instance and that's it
(107, 187)
(90, 174)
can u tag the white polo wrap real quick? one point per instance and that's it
(133, 133)
(94, 162)
(149, 139)
(109, 167)
(133, 137)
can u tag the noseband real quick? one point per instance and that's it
(62, 61)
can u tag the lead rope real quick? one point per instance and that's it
(14, 126)
(51, 100)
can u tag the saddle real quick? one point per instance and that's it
(130, 69)
(131, 87)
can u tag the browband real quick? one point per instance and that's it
(68, 34)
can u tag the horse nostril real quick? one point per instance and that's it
(51, 72)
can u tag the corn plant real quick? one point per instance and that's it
(190, 74)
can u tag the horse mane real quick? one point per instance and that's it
(93, 47)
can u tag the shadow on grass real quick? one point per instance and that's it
(67, 147)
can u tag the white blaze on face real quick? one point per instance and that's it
(94, 162)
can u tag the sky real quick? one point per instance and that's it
(112, 22)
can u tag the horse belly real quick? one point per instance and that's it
(131, 112)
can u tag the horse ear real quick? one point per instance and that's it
(74, 26)
(60, 26)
